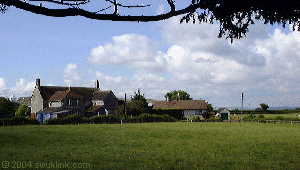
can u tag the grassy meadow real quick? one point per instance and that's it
(179, 145)
(289, 116)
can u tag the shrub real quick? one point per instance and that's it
(146, 117)
(206, 115)
(261, 117)
(18, 120)
(196, 118)
(73, 119)
(131, 120)
(217, 118)
(55, 121)
(278, 118)
(249, 117)
(176, 113)
(104, 119)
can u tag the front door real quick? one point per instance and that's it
(224, 116)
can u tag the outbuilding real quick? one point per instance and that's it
(224, 114)
(190, 108)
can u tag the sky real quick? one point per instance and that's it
(155, 57)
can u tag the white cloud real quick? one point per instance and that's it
(22, 88)
(3, 89)
(130, 50)
(262, 65)
(2, 84)
(152, 85)
(260, 62)
(71, 75)
(160, 10)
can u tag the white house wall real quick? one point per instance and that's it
(189, 113)
(98, 102)
(36, 101)
(55, 104)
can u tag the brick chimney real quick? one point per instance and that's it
(97, 85)
(38, 82)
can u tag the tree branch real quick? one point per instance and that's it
(172, 5)
(93, 15)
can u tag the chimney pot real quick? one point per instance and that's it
(38, 82)
(97, 85)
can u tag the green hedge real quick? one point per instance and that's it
(72, 119)
(77, 119)
(146, 117)
(104, 119)
(18, 121)
(175, 113)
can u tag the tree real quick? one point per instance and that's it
(23, 110)
(137, 105)
(177, 95)
(6, 106)
(264, 106)
(209, 108)
(206, 115)
(233, 16)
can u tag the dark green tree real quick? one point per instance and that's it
(177, 95)
(234, 16)
(264, 106)
(206, 115)
(23, 110)
(209, 108)
(6, 106)
(138, 104)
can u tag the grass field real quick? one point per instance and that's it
(197, 145)
(269, 116)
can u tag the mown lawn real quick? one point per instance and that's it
(197, 145)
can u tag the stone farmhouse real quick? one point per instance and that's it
(190, 108)
(54, 101)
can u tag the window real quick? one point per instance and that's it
(77, 102)
(69, 102)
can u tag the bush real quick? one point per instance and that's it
(249, 117)
(104, 119)
(206, 115)
(278, 118)
(146, 117)
(56, 121)
(18, 120)
(217, 118)
(73, 119)
(196, 118)
(175, 113)
(261, 117)
(131, 120)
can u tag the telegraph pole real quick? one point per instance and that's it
(125, 106)
(242, 106)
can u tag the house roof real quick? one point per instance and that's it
(181, 104)
(59, 95)
(57, 92)
(223, 110)
(93, 108)
(70, 94)
(54, 110)
(100, 95)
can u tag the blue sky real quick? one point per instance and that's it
(156, 57)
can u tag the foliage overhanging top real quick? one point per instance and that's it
(234, 16)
